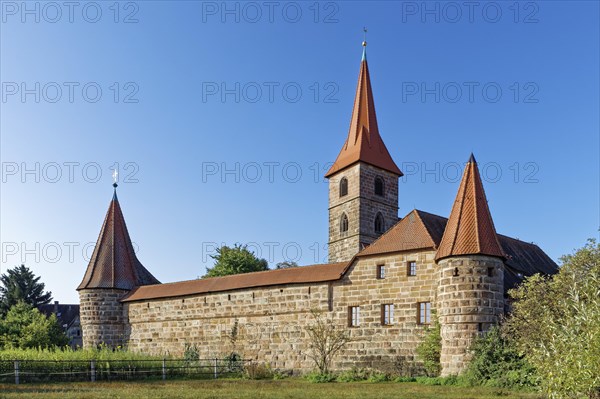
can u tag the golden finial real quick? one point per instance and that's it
(364, 43)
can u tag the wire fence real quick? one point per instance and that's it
(26, 371)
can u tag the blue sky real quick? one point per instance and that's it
(223, 117)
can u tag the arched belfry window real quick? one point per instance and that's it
(379, 223)
(343, 223)
(343, 187)
(379, 186)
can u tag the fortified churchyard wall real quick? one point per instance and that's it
(271, 321)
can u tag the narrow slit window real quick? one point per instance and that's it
(343, 187)
(353, 316)
(380, 271)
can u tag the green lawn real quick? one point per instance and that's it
(230, 389)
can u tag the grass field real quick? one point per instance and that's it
(244, 389)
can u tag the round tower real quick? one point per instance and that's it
(470, 294)
(112, 273)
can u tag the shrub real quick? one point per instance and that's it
(405, 379)
(497, 363)
(430, 348)
(317, 377)
(354, 374)
(258, 371)
(378, 377)
(191, 352)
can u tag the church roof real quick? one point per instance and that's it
(114, 263)
(470, 229)
(294, 275)
(416, 230)
(364, 142)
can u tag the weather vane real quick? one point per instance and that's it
(364, 43)
(114, 176)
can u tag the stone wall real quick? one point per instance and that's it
(471, 299)
(102, 318)
(361, 205)
(271, 320)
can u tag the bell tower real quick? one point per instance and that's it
(363, 181)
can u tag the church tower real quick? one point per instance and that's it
(112, 272)
(470, 259)
(363, 181)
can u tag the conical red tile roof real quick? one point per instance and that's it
(364, 142)
(470, 229)
(113, 263)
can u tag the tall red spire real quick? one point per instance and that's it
(113, 263)
(470, 229)
(364, 142)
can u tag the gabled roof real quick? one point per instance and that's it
(470, 229)
(114, 263)
(65, 313)
(364, 142)
(294, 275)
(409, 233)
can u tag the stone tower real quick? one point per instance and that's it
(470, 295)
(363, 181)
(112, 272)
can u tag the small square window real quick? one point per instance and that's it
(387, 314)
(353, 316)
(411, 268)
(424, 313)
(380, 271)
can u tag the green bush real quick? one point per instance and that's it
(497, 363)
(317, 377)
(429, 350)
(378, 377)
(354, 374)
(405, 379)
(258, 371)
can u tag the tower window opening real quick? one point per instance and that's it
(455, 272)
(424, 313)
(380, 271)
(490, 272)
(344, 223)
(379, 223)
(343, 187)
(411, 268)
(379, 186)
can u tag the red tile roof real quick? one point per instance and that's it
(408, 234)
(113, 263)
(364, 142)
(295, 275)
(470, 229)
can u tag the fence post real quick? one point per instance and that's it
(216, 370)
(164, 369)
(93, 370)
(16, 372)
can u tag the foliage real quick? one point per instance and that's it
(20, 284)
(326, 339)
(235, 260)
(429, 350)
(286, 265)
(191, 353)
(319, 378)
(67, 354)
(496, 362)
(258, 371)
(25, 327)
(556, 324)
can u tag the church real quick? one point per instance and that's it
(388, 278)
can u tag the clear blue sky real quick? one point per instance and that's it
(518, 86)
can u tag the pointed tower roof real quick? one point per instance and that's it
(364, 142)
(113, 263)
(470, 229)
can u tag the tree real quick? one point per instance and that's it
(326, 340)
(556, 324)
(286, 265)
(20, 284)
(235, 260)
(25, 327)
